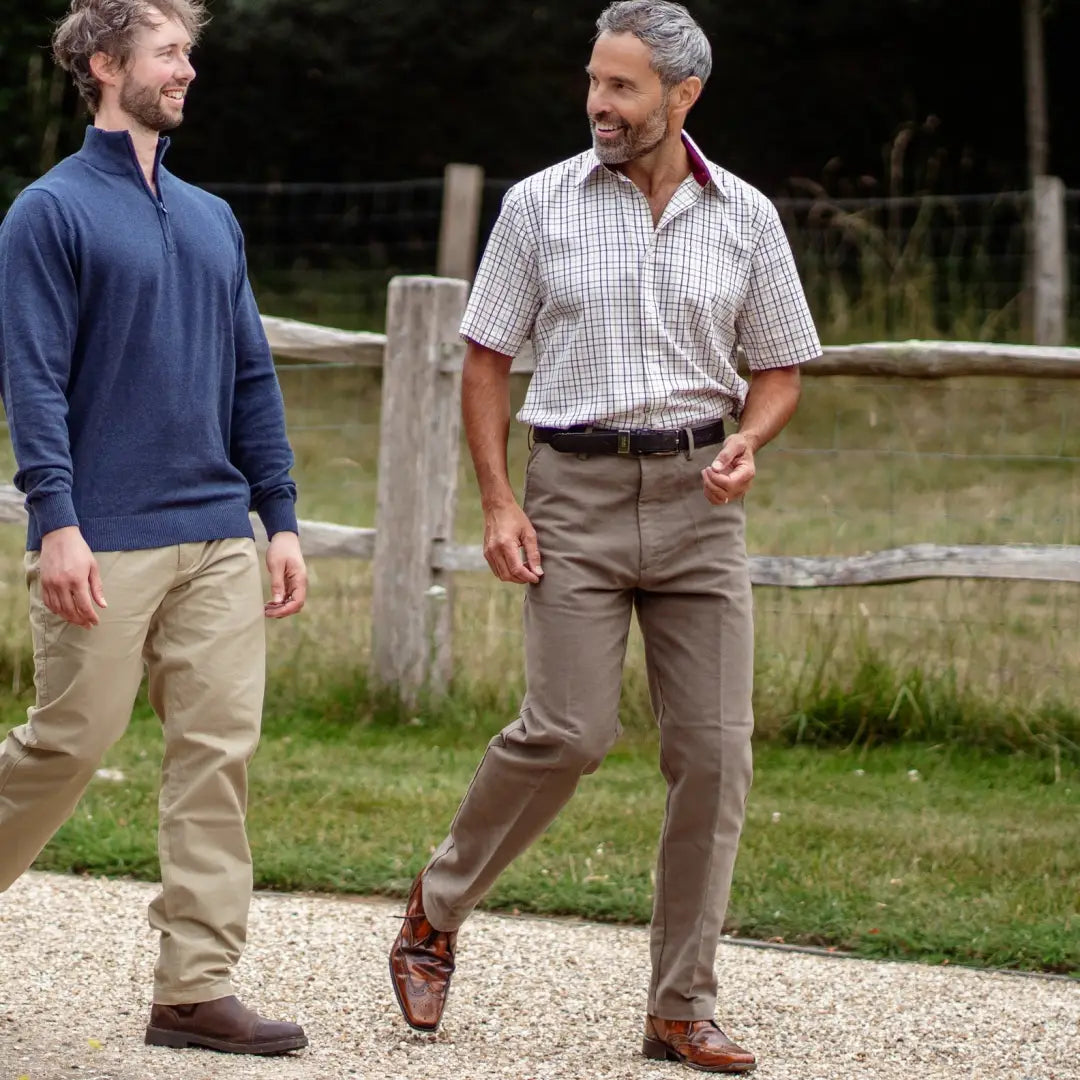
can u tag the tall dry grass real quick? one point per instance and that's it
(866, 464)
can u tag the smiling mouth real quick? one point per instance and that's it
(175, 95)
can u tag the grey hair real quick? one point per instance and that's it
(679, 46)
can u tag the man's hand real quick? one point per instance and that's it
(70, 580)
(288, 576)
(770, 403)
(506, 531)
(731, 473)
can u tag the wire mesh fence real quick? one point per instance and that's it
(921, 266)
(870, 464)
(942, 267)
(867, 464)
(326, 252)
(924, 266)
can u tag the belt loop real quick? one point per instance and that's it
(531, 440)
(689, 442)
(588, 431)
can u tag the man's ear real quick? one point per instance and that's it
(686, 93)
(105, 68)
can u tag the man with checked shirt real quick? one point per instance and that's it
(637, 268)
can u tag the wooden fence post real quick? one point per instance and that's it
(459, 229)
(1050, 272)
(419, 443)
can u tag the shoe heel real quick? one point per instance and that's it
(657, 1051)
(160, 1037)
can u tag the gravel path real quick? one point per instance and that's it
(532, 1000)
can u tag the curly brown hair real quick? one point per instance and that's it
(109, 26)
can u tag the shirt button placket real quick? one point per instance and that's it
(652, 327)
(648, 315)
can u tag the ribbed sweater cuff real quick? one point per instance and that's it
(52, 512)
(278, 515)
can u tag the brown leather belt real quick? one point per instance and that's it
(583, 440)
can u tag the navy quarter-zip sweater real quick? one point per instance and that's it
(139, 387)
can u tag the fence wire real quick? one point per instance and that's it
(867, 464)
(326, 252)
(920, 266)
(923, 266)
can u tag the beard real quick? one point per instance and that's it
(143, 103)
(632, 142)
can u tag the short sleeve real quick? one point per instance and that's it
(505, 297)
(775, 327)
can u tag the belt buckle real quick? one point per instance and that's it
(673, 452)
(623, 443)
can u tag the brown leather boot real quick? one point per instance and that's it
(697, 1043)
(224, 1025)
(421, 964)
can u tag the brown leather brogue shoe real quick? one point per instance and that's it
(697, 1043)
(223, 1024)
(421, 964)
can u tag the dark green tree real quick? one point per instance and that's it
(37, 108)
(333, 90)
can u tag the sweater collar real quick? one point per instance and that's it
(114, 152)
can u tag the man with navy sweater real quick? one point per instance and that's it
(147, 421)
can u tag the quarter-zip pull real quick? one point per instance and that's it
(166, 226)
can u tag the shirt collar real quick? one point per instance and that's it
(703, 170)
(114, 152)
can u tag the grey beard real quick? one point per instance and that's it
(633, 144)
(613, 153)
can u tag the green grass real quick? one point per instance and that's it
(972, 859)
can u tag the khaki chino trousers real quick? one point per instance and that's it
(619, 534)
(193, 615)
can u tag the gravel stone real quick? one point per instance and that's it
(533, 999)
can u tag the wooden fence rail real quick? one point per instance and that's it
(292, 340)
(412, 545)
(916, 562)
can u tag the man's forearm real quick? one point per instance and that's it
(485, 409)
(770, 404)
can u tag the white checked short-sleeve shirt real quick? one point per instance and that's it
(636, 327)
